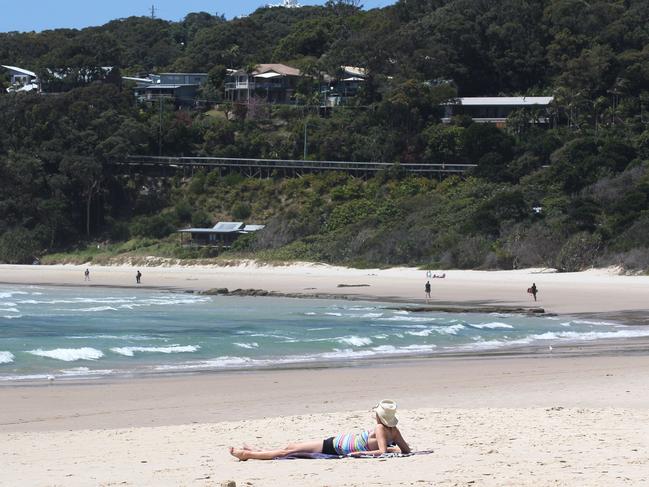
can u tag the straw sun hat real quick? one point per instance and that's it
(386, 410)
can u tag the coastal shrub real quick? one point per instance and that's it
(636, 260)
(197, 184)
(17, 246)
(348, 213)
(118, 230)
(241, 211)
(158, 226)
(183, 211)
(579, 252)
(200, 219)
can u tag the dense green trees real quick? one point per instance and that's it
(569, 195)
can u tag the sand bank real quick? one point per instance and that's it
(595, 291)
(491, 421)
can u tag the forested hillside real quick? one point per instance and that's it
(569, 195)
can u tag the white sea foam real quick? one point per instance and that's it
(90, 310)
(9, 310)
(355, 341)
(344, 353)
(334, 314)
(319, 329)
(382, 336)
(422, 333)
(371, 315)
(114, 337)
(247, 345)
(130, 351)
(449, 330)
(84, 371)
(598, 323)
(8, 294)
(310, 313)
(491, 326)
(6, 357)
(592, 335)
(69, 354)
(215, 363)
(12, 317)
(404, 318)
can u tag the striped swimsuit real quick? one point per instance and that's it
(351, 442)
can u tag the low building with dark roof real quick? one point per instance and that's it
(223, 234)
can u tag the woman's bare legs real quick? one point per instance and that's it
(293, 448)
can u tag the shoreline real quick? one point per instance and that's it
(595, 348)
(535, 381)
(589, 292)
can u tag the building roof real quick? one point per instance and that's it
(354, 71)
(182, 74)
(20, 70)
(504, 100)
(161, 86)
(225, 227)
(140, 80)
(282, 69)
(270, 74)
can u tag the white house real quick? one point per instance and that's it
(494, 109)
(21, 79)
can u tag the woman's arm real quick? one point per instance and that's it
(398, 439)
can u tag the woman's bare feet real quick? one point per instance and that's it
(240, 454)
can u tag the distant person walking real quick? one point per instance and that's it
(138, 276)
(86, 275)
(533, 290)
(427, 289)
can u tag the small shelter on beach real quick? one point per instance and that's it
(223, 234)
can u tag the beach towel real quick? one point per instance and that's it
(324, 456)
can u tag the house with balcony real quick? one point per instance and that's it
(346, 84)
(181, 88)
(21, 80)
(496, 109)
(276, 83)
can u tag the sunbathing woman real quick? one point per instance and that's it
(365, 443)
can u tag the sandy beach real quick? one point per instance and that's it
(594, 291)
(573, 416)
(490, 421)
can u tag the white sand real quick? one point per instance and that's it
(491, 421)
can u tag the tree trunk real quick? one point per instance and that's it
(91, 192)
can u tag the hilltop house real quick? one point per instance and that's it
(21, 79)
(182, 88)
(275, 83)
(335, 91)
(496, 109)
(223, 234)
(56, 80)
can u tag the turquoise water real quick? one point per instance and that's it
(92, 332)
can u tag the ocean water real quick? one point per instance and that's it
(58, 332)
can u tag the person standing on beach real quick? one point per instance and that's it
(534, 290)
(138, 276)
(427, 289)
(86, 275)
